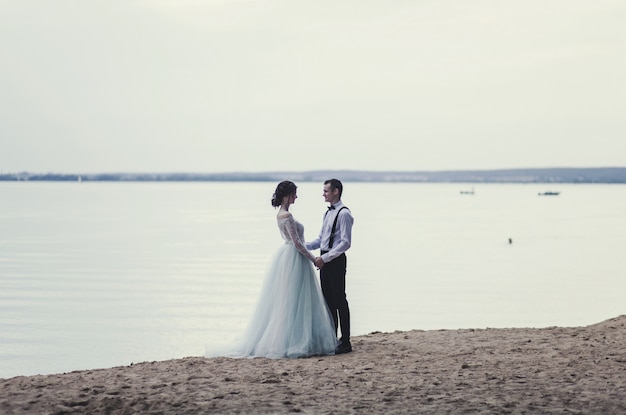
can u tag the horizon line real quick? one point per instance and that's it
(460, 170)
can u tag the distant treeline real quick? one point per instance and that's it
(545, 175)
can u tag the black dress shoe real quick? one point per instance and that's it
(344, 347)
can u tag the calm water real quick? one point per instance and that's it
(104, 274)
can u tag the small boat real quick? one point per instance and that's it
(549, 193)
(467, 192)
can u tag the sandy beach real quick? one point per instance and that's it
(555, 370)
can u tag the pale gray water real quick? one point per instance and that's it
(104, 274)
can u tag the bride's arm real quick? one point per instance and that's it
(293, 234)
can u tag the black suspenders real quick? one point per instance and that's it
(332, 232)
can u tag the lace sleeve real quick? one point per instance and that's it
(292, 231)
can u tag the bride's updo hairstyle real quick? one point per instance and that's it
(283, 189)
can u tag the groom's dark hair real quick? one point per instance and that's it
(335, 184)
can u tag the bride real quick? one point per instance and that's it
(291, 317)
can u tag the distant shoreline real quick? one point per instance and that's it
(606, 175)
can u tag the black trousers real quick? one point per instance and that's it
(333, 282)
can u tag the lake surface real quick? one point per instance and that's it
(98, 274)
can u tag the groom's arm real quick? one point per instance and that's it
(314, 244)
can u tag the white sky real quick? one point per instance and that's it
(262, 85)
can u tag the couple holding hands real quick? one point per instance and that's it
(295, 315)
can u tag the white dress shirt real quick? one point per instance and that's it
(343, 233)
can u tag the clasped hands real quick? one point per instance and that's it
(319, 262)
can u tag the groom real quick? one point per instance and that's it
(334, 240)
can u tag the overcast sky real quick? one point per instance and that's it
(261, 85)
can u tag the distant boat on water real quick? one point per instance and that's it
(467, 192)
(549, 193)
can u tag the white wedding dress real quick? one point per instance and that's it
(291, 317)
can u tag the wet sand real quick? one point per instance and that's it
(555, 370)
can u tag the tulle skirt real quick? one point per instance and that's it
(291, 318)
